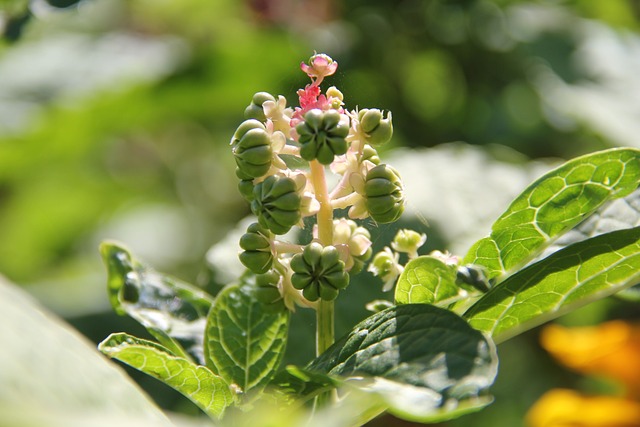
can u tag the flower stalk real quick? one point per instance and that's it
(323, 133)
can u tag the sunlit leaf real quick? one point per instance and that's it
(50, 375)
(618, 214)
(425, 363)
(569, 278)
(245, 342)
(207, 390)
(173, 311)
(427, 280)
(554, 204)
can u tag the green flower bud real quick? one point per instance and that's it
(277, 203)
(384, 194)
(252, 148)
(254, 110)
(369, 153)
(319, 272)
(377, 130)
(245, 187)
(385, 265)
(359, 261)
(257, 255)
(322, 135)
(408, 241)
(267, 291)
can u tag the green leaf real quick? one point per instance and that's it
(426, 363)
(427, 280)
(51, 375)
(207, 390)
(574, 276)
(615, 215)
(245, 343)
(554, 204)
(296, 385)
(172, 311)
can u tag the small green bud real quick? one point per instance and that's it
(245, 127)
(319, 272)
(385, 265)
(252, 149)
(369, 153)
(257, 255)
(255, 110)
(276, 203)
(377, 130)
(322, 135)
(359, 261)
(408, 241)
(267, 291)
(384, 194)
(245, 187)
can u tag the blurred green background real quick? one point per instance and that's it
(115, 118)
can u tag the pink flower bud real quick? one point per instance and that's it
(320, 66)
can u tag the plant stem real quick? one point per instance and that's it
(325, 214)
(324, 326)
(325, 309)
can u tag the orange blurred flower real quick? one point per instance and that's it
(611, 350)
(567, 408)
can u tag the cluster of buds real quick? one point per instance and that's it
(386, 263)
(269, 148)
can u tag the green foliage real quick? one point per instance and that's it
(426, 364)
(172, 311)
(553, 205)
(428, 280)
(572, 277)
(87, 159)
(207, 390)
(419, 361)
(51, 375)
(245, 342)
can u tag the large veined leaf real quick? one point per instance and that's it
(173, 311)
(207, 390)
(427, 280)
(554, 204)
(618, 214)
(569, 278)
(425, 363)
(245, 342)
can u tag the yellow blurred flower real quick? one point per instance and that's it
(567, 408)
(611, 350)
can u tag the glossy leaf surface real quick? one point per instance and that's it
(569, 278)
(210, 392)
(172, 311)
(554, 204)
(425, 363)
(245, 343)
(427, 280)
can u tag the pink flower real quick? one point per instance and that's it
(320, 66)
(310, 98)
